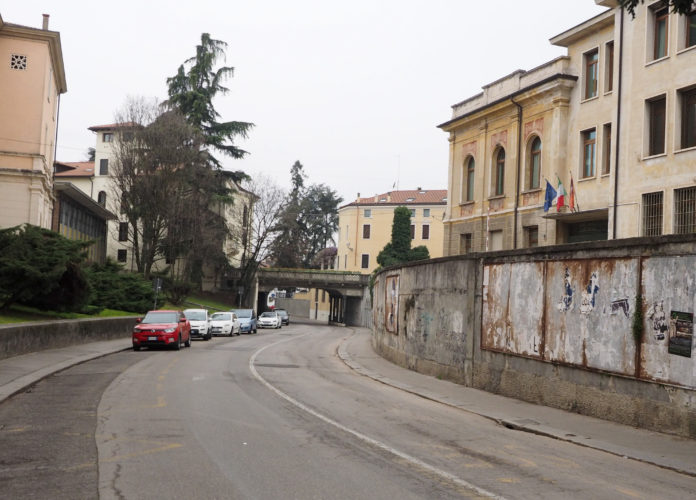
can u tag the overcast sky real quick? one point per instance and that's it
(353, 90)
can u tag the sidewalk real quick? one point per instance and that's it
(670, 452)
(19, 372)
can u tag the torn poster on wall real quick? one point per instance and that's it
(587, 303)
(681, 325)
(392, 304)
(566, 302)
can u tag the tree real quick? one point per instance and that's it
(399, 250)
(679, 6)
(192, 90)
(263, 225)
(91, 153)
(154, 156)
(319, 215)
(289, 245)
(33, 262)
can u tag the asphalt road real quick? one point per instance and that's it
(278, 415)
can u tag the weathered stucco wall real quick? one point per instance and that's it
(555, 326)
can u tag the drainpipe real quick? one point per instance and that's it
(618, 122)
(517, 178)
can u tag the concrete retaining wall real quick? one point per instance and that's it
(554, 326)
(37, 336)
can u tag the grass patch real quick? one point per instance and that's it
(194, 301)
(23, 314)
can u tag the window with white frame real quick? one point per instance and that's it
(652, 214)
(589, 144)
(591, 73)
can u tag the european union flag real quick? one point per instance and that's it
(550, 196)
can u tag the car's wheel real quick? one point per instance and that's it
(188, 342)
(231, 331)
(136, 347)
(209, 336)
(177, 345)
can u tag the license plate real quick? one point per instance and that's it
(194, 331)
(152, 338)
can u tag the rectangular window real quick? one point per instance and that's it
(606, 149)
(426, 212)
(688, 118)
(589, 140)
(496, 240)
(103, 166)
(366, 231)
(591, 60)
(656, 124)
(685, 210)
(367, 213)
(413, 212)
(609, 67)
(122, 255)
(107, 137)
(691, 28)
(122, 231)
(661, 26)
(365, 264)
(652, 214)
(413, 231)
(465, 243)
(532, 234)
(426, 231)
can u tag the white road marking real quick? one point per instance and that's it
(446, 475)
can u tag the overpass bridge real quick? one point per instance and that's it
(347, 290)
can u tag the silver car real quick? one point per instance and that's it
(269, 319)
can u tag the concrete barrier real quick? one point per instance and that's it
(24, 338)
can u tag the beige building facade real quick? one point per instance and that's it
(614, 119)
(365, 226)
(32, 78)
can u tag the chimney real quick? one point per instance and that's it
(45, 21)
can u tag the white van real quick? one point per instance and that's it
(200, 323)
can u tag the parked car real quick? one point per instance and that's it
(200, 323)
(247, 320)
(224, 323)
(284, 316)
(162, 328)
(269, 319)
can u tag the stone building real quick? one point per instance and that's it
(612, 123)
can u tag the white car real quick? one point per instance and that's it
(269, 319)
(224, 323)
(200, 323)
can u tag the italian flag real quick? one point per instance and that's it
(560, 197)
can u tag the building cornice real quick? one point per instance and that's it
(50, 37)
(583, 30)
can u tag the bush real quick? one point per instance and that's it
(112, 288)
(35, 263)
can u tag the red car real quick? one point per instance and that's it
(162, 328)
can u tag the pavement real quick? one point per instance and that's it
(663, 450)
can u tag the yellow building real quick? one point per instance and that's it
(32, 77)
(365, 226)
(613, 121)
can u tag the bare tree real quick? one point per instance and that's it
(152, 159)
(263, 227)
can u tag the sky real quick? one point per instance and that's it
(352, 90)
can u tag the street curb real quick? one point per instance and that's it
(22, 383)
(346, 358)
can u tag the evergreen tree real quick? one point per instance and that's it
(399, 250)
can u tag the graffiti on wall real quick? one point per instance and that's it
(621, 305)
(656, 314)
(566, 303)
(391, 313)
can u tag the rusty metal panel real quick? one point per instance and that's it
(669, 285)
(589, 308)
(513, 305)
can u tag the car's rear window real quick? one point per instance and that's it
(221, 317)
(195, 315)
(267, 314)
(160, 317)
(244, 313)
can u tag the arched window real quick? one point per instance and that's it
(101, 198)
(499, 173)
(534, 170)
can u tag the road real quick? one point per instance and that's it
(276, 416)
